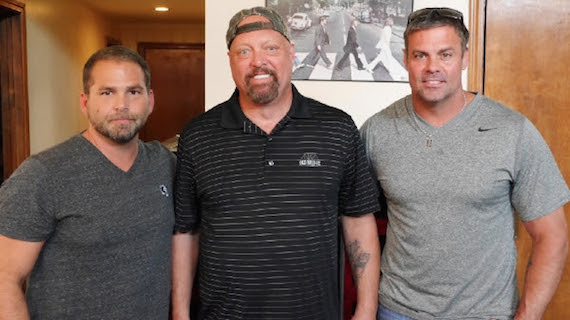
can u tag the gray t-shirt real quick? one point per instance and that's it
(107, 232)
(449, 251)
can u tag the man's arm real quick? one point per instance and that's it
(18, 259)
(363, 249)
(549, 236)
(184, 264)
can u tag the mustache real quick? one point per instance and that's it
(121, 116)
(257, 71)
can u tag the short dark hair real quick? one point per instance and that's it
(117, 53)
(428, 18)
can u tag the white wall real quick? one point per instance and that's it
(359, 99)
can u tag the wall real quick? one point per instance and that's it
(61, 35)
(132, 33)
(359, 99)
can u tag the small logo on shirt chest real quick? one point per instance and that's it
(164, 190)
(309, 159)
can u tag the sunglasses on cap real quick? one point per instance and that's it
(426, 13)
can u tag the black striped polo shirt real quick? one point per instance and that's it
(267, 208)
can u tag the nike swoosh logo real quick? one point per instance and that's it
(481, 129)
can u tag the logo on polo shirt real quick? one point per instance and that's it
(309, 159)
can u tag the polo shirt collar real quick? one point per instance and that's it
(234, 118)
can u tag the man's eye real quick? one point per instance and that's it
(135, 92)
(105, 93)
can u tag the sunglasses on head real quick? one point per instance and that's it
(431, 12)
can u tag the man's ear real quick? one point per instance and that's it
(465, 59)
(150, 101)
(292, 51)
(83, 100)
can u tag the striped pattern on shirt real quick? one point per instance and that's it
(267, 208)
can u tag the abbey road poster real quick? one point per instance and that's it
(346, 40)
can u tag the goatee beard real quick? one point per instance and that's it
(263, 94)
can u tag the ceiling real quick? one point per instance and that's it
(192, 11)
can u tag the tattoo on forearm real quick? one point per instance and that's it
(358, 260)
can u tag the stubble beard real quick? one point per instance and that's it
(122, 133)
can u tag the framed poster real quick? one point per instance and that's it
(348, 40)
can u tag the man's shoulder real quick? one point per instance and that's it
(496, 113)
(157, 150)
(206, 118)
(395, 110)
(62, 150)
(54, 160)
(323, 111)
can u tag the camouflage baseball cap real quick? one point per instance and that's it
(275, 23)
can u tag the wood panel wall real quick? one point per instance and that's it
(526, 66)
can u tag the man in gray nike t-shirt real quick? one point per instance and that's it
(454, 167)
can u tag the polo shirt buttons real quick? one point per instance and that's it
(270, 163)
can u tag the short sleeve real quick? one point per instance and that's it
(538, 188)
(24, 204)
(185, 203)
(359, 194)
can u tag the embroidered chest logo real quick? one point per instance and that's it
(309, 159)
(164, 190)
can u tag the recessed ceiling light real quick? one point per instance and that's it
(161, 9)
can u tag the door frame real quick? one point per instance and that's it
(476, 74)
(13, 86)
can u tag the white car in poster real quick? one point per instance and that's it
(300, 21)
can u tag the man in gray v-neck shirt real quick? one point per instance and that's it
(454, 167)
(89, 222)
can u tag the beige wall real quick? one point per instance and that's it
(132, 33)
(61, 34)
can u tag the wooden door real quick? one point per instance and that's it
(177, 79)
(526, 66)
(13, 87)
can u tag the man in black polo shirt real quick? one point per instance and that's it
(262, 180)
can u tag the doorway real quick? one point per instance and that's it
(13, 87)
(1, 146)
(177, 79)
